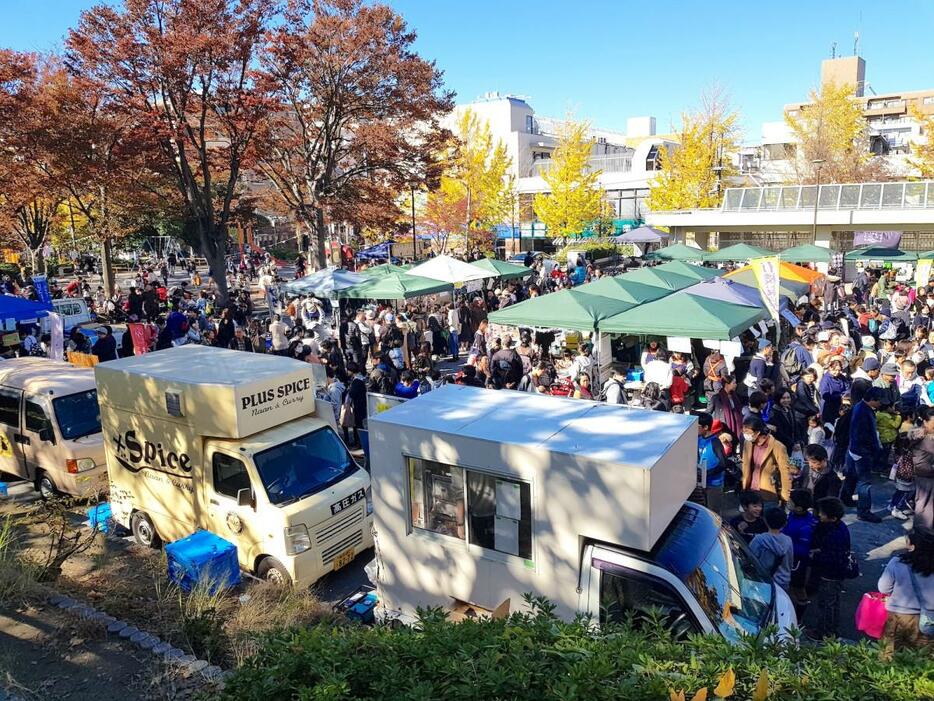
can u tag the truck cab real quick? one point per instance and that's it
(700, 575)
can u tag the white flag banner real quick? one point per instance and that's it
(57, 336)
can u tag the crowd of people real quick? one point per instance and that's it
(801, 430)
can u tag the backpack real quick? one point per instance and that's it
(526, 364)
(602, 396)
(791, 363)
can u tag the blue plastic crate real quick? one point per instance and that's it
(360, 606)
(635, 375)
(203, 557)
(100, 517)
(4, 489)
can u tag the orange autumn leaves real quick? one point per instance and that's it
(725, 688)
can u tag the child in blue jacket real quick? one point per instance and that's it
(800, 528)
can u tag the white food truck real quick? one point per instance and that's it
(50, 427)
(230, 442)
(481, 496)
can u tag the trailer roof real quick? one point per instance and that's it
(610, 433)
(205, 365)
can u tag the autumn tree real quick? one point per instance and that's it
(833, 137)
(183, 72)
(476, 190)
(691, 174)
(574, 197)
(357, 114)
(28, 201)
(922, 153)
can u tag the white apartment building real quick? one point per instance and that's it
(627, 161)
(893, 128)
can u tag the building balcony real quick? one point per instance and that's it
(901, 195)
(602, 164)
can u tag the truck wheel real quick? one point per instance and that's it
(273, 571)
(45, 486)
(144, 531)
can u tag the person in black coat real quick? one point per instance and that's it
(105, 348)
(806, 401)
(784, 420)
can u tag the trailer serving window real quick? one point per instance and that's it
(484, 510)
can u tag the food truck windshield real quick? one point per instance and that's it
(78, 414)
(729, 584)
(303, 466)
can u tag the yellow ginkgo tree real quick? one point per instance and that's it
(922, 151)
(692, 173)
(575, 198)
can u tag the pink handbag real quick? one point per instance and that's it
(871, 614)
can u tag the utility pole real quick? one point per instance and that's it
(414, 238)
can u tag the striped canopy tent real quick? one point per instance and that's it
(792, 289)
(806, 253)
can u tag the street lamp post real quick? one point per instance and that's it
(816, 162)
(414, 237)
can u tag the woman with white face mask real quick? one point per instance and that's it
(765, 463)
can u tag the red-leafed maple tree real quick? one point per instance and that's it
(182, 73)
(357, 115)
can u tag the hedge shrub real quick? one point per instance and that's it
(597, 249)
(536, 657)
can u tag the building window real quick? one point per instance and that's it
(529, 124)
(482, 509)
(652, 159)
(929, 100)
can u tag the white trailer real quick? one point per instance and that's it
(481, 496)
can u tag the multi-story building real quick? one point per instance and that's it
(890, 118)
(627, 162)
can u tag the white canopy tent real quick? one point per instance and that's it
(324, 283)
(448, 269)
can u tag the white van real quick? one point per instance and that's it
(233, 443)
(50, 426)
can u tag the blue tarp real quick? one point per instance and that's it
(22, 309)
(380, 250)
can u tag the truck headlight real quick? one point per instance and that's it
(80, 465)
(369, 500)
(297, 539)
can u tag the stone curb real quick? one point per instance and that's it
(189, 665)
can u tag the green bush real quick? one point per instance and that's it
(537, 657)
(597, 249)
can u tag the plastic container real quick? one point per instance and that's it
(360, 606)
(100, 518)
(635, 375)
(4, 489)
(203, 557)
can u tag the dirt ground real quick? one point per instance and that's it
(46, 654)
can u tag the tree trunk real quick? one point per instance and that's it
(107, 266)
(214, 250)
(319, 259)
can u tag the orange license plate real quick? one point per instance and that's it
(345, 558)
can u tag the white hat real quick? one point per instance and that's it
(868, 342)
(823, 336)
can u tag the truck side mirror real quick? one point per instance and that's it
(245, 497)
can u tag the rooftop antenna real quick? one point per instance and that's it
(856, 43)
(833, 50)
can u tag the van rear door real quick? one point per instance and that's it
(11, 447)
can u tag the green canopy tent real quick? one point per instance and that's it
(677, 251)
(567, 309)
(626, 290)
(926, 255)
(792, 289)
(695, 272)
(504, 270)
(806, 253)
(659, 277)
(384, 269)
(394, 286)
(885, 254)
(737, 252)
(683, 314)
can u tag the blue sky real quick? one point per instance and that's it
(607, 60)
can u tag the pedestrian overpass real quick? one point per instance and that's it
(782, 215)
